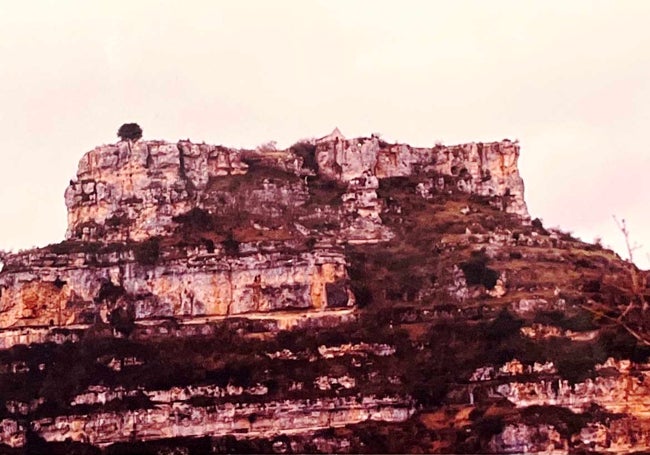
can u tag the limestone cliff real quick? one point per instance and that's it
(342, 295)
(140, 186)
(132, 191)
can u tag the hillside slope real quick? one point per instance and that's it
(343, 295)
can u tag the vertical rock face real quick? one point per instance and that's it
(362, 209)
(131, 190)
(205, 285)
(488, 169)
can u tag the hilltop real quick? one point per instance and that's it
(341, 295)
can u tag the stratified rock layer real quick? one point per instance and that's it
(488, 169)
(62, 290)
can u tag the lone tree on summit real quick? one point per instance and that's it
(130, 131)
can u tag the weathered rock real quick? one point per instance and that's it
(131, 190)
(485, 169)
(522, 438)
(624, 393)
(200, 285)
(183, 420)
(173, 244)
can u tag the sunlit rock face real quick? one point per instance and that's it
(488, 169)
(178, 420)
(131, 190)
(202, 284)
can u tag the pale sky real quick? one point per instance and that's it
(569, 79)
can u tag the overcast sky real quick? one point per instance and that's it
(569, 79)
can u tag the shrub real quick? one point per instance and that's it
(592, 285)
(307, 151)
(539, 227)
(230, 245)
(503, 326)
(130, 132)
(209, 244)
(109, 291)
(477, 272)
(122, 320)
(117, 221)
(362, 294)
(147, 252)
(196, 219)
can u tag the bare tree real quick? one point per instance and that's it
(267, 147)
(633, 317)
(637, 279)
(622, 226)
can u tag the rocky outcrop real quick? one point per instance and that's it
(620, 436)
(183, 420)
(132, 190)
(523, 438)
(362, 209)
(488, 169)
(258, 280)
(622, 391)
(611, 410)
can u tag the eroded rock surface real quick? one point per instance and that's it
(199, 285)
(132, 190)
(139, 186)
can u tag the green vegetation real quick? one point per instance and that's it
(477, 272)
(307, 151)
(130, 132)
(148, 251)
